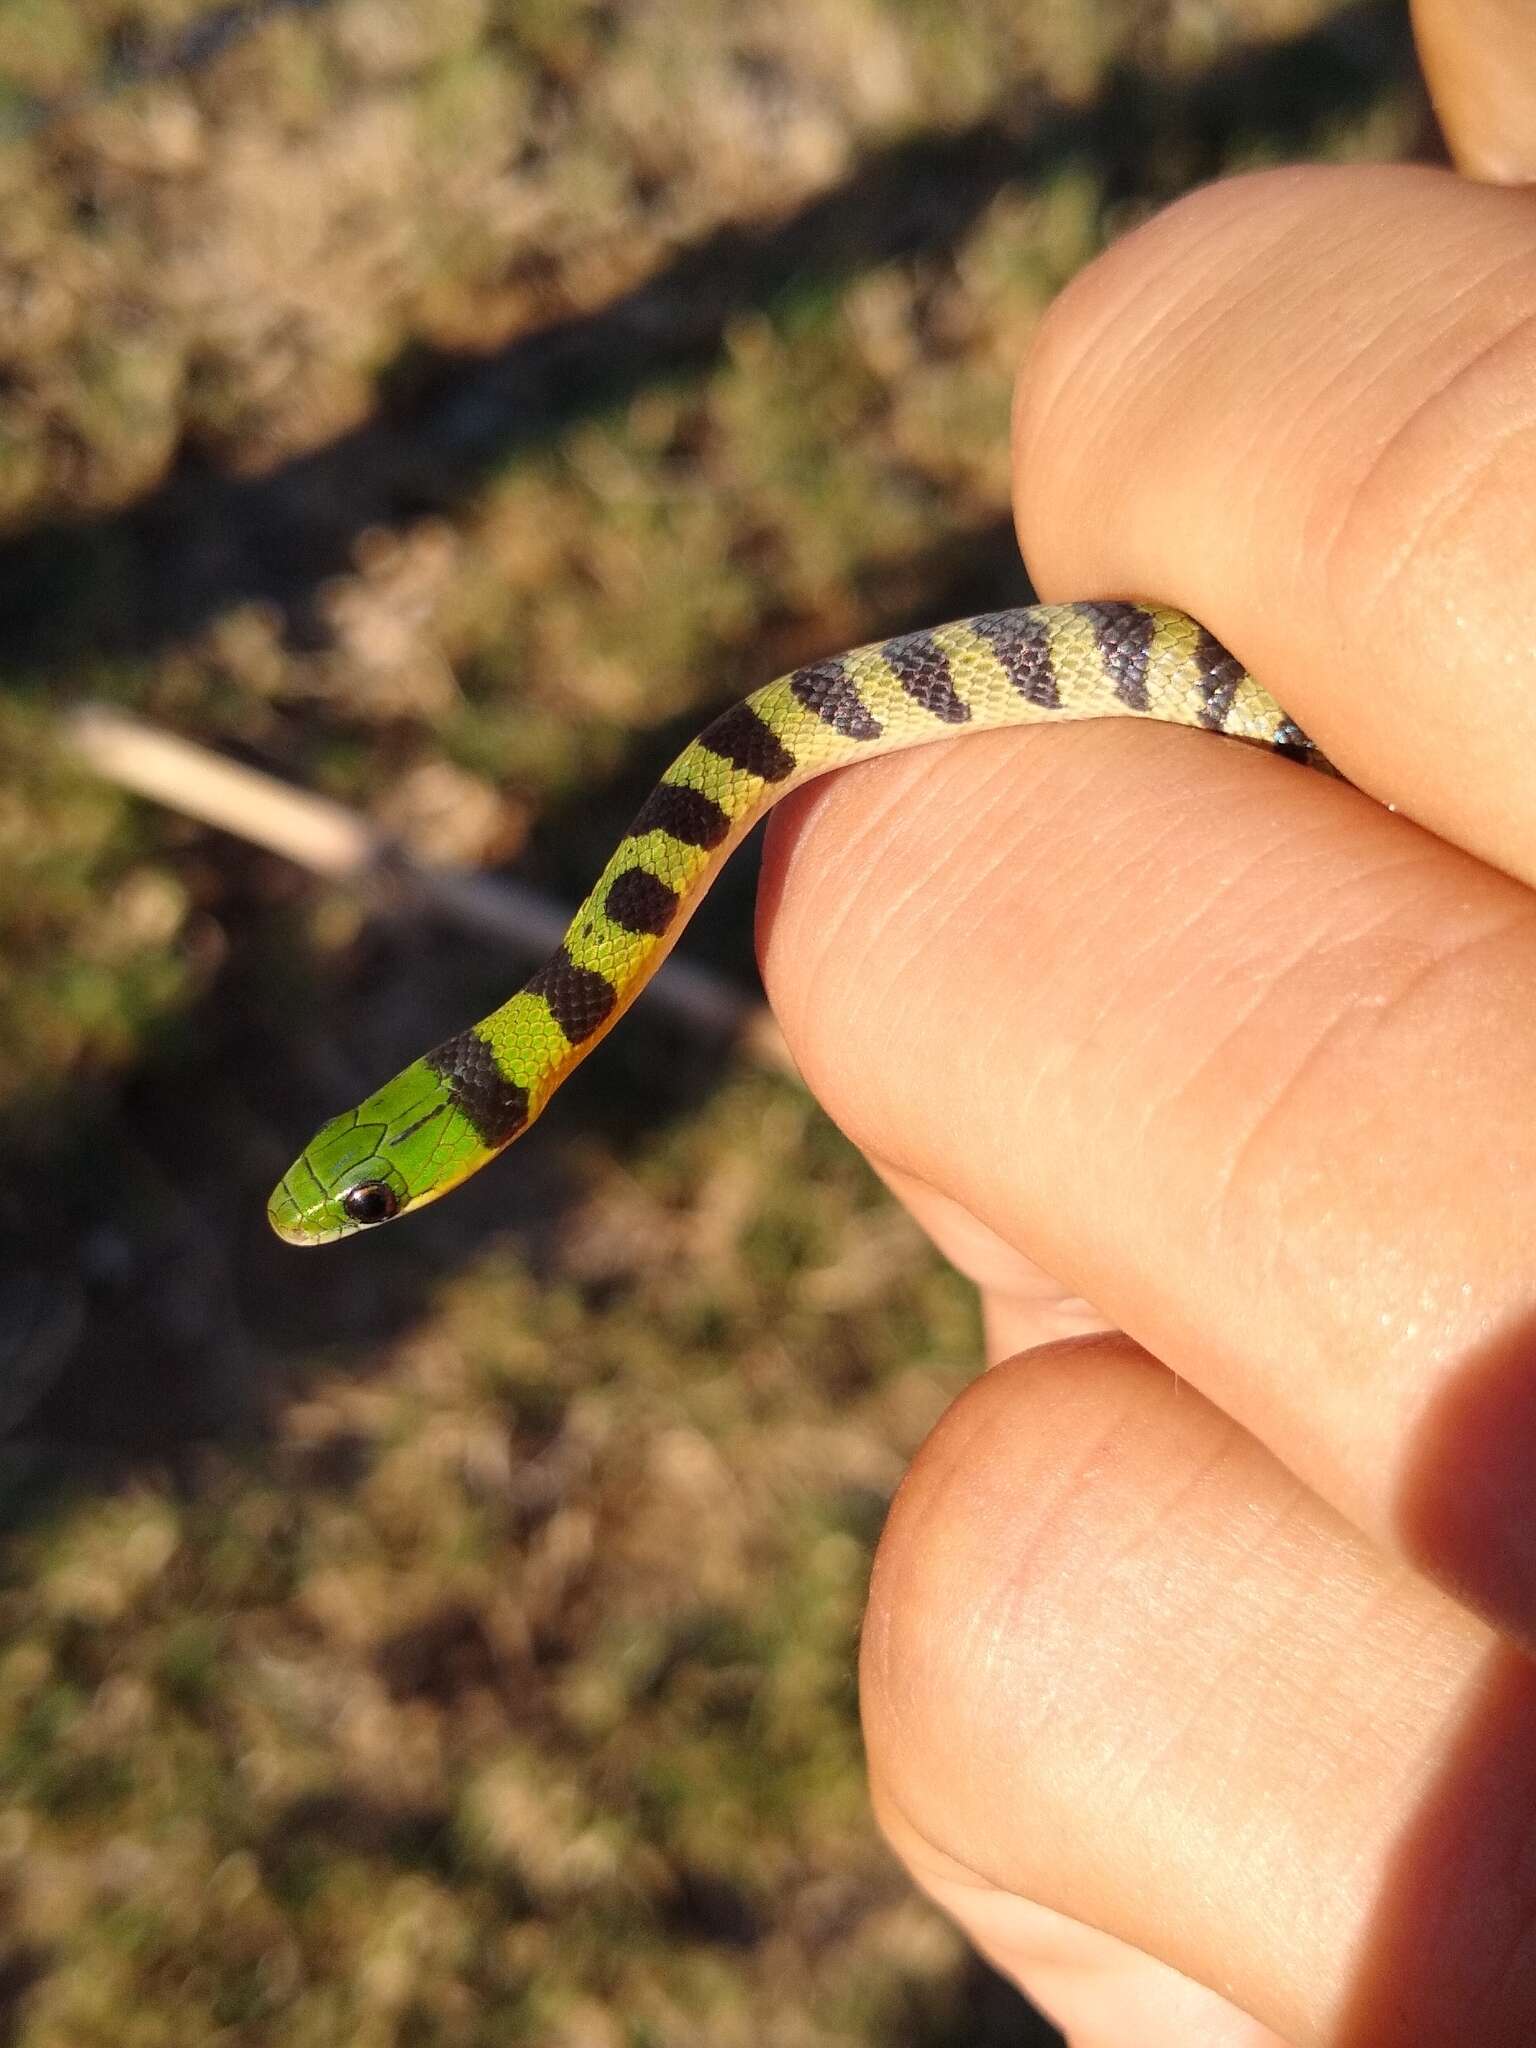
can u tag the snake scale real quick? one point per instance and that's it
(455, 1108)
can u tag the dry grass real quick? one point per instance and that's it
(434, 1720)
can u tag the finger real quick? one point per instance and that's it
(1479, 59)
(1118, 1663)
(1100, 1992)
(1303, 406)
(1239, 1057)
(1021, 1304)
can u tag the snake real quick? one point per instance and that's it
(453, 1110)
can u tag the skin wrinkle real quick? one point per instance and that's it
(1165, 339)
(1334, 1725)
(1168, 985)
(890, 926)
(1385, 369)
(1152, 819)
(1149, 1792)
(1334, 547)
(989, 857)
(1262, 973)
(1058, 314)
(1216, 1595)
(1509, 924)
(1153, 343)
(1413, 1740)
(1413, 976)
(1155, 339)
(1434, 1659)
(1356, 542)
(1228, 1200)
(1439, 514)
(1088, 931)
(1294, 1799)
(1498, 450)
(1211, 1598)
(1343, 281)
(1167, 1507)
(1358, 1017)
(1110, 1447)
(909, 963)
(1382, 1019)
(992, 798)
(1028, 1534)
(1255, 455)
(1231, 888)
(1317, 527)
(1407, 1758)
(890, 954)
(1163, 988)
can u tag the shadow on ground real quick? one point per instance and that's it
(140, 578)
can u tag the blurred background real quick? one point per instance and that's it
(446, 406)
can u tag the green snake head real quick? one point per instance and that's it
(411, 1141)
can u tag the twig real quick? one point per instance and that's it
(333, 841)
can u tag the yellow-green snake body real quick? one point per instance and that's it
(454, 1109)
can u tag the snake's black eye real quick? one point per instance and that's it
(371, 1201)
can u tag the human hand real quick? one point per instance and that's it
(1191, 1676)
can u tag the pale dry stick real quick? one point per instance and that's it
(326, 837)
